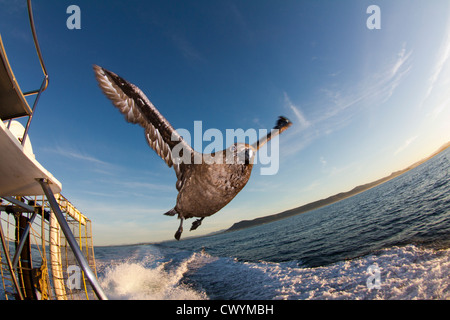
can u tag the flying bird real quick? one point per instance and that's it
(205, 186)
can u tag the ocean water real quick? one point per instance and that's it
(390, 242)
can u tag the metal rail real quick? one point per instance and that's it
(45, 82)
(23, 240)
(27, 127)
(38, 50)
(8, 260)
(72, 241)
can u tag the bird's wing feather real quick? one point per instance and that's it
(138, 109)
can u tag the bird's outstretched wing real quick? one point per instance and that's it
(138, 109)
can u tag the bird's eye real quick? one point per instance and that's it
(233, 148)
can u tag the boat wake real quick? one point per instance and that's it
(408, 272)
(141, 280)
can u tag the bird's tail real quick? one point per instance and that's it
(171, 212)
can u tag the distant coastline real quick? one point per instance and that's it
(332, 199)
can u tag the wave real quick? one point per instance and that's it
(404, 273)
(409, 272)
(131, 280)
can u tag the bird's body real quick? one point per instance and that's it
(205, 186)
(203, 182)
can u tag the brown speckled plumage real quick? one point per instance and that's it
(209, 187)
(203, 188)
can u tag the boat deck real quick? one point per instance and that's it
(19, 170)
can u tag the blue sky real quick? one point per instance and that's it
(363, 102)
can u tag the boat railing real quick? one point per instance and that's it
(37, 260)
(46, 249)
(45, 81)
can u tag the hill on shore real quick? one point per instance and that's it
(335, 198)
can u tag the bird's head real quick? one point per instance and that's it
(283, 123)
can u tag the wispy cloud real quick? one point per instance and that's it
(146, 186)
(403, 57)
(186, 48)
(313, 186)
(177, 36)
(85, 158)
(439, 108)
(336, 171)
(299, 136)
(441, 61)
(340, 103)
(116, 209)
(302, 121)
(240, 20)
(377, 87)
(13, 6)
(405, 145)
(77, 155)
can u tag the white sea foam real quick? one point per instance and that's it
(138, 281)
(406, 272)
